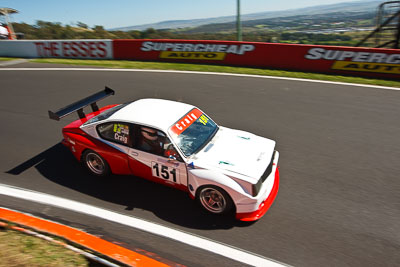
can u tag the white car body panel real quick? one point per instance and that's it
(157, 113)
(236, 153)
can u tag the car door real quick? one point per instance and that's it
(157, 161)
(118, 138)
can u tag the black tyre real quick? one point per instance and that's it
(214, 199)
(95, 164)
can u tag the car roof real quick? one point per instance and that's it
(158, 113)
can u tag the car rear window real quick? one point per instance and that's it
(106, 114)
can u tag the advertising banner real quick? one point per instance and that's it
(82, 49)
(368, 62)
(352, 61)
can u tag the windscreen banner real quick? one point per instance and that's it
(369, 62)
(80, 49)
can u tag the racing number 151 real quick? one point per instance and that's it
(163, 171)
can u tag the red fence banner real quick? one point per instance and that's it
(354, 61)
(339, 60)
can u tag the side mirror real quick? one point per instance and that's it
(171, 158)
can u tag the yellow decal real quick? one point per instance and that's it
(121, 128)
(203, 119)
(193, 55)
(366, 67)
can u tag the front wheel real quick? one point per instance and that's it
(95, 164)
(214, 199)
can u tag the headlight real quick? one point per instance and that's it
(257, 187)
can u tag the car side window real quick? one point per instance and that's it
(154, 141)
(118, 132)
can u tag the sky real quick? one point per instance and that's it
(121, 13)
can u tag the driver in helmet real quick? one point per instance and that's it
(150, 141)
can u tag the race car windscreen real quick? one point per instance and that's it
(193, 131)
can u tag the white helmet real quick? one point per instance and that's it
(149, 134)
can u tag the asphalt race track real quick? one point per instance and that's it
(339, 197)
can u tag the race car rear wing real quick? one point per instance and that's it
(79, 105)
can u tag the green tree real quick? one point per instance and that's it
(82, 25)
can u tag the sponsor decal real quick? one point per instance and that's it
(187, 120)
(72, 49)
(226, 163)
(199, 51)
(121, 133)
(203, 119)
(378, 62)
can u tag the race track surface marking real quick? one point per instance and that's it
(160, 230)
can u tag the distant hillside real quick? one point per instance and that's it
(308, 23)
(354, 6)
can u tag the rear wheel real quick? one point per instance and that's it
(95, 164)
(214, 199)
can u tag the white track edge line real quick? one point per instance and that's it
(206, 73)
(12, 62)
(216, 247)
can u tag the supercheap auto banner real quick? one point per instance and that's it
(369, 62)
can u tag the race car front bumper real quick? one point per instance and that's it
(264, 206)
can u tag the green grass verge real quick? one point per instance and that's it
(17, 249)
(7, 58)
(213, 68)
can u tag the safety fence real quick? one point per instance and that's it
(354, 61)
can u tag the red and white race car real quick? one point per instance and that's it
(178, 145)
